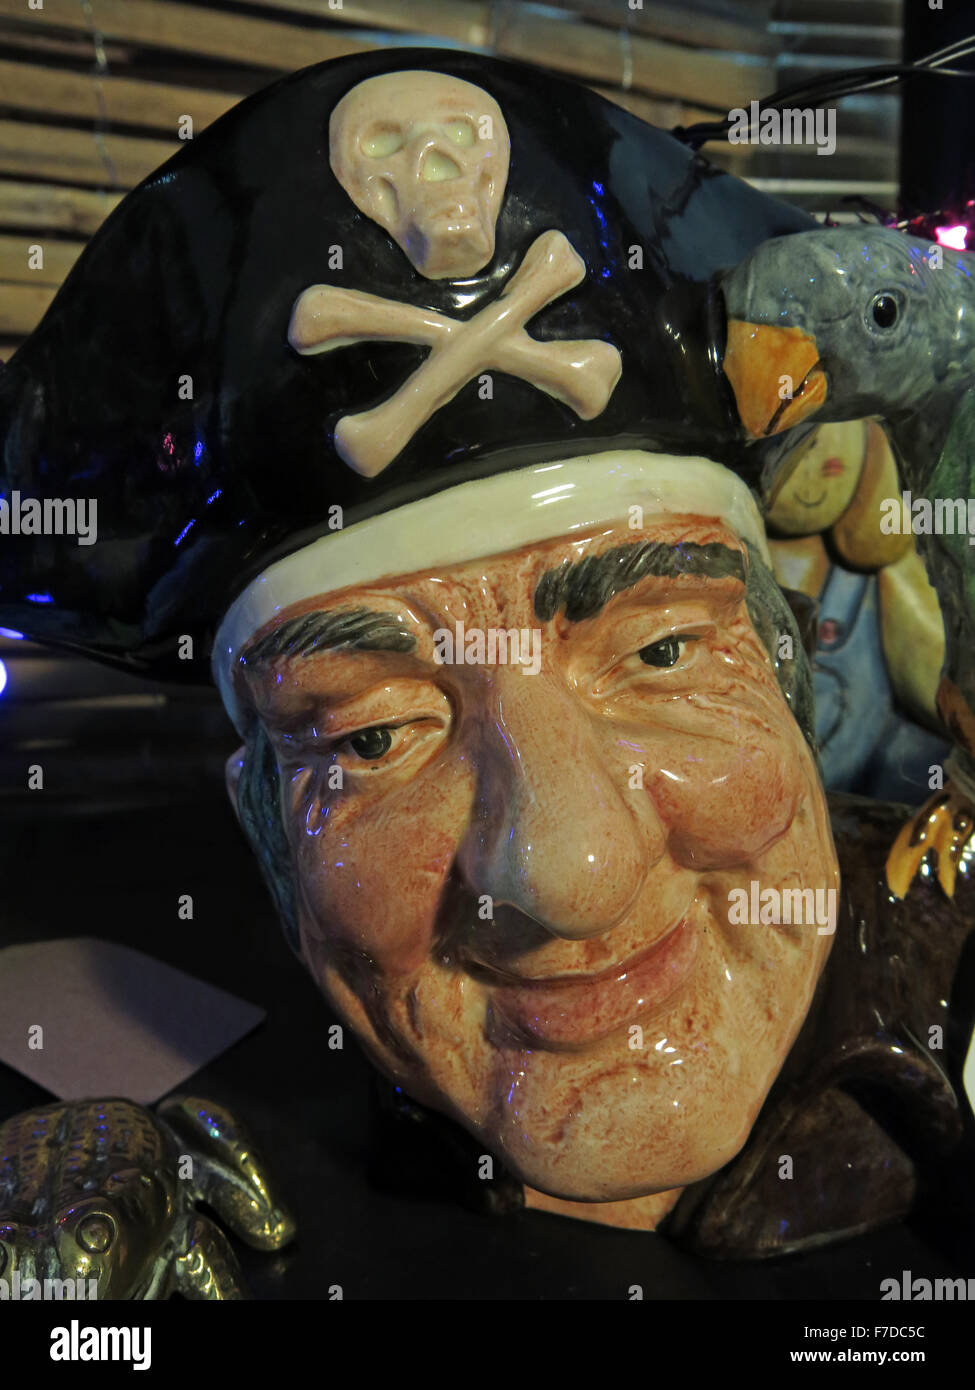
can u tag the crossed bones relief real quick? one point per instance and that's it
(581, 373)
(426, 156)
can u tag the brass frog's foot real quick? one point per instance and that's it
(207, 1269)
(943, 826)
(230, 1173)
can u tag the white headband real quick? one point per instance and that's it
(484, 517)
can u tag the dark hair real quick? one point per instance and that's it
(259, 809)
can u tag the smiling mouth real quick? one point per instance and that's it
(814, 503)
(567, 1012)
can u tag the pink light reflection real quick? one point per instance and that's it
(953, 237)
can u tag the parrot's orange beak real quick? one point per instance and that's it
(775, 375)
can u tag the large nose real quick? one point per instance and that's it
(556, 832)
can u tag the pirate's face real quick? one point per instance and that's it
(521, 794)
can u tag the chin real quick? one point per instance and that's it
(622, 1139)
(605, 1122)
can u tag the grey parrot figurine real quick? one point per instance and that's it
(842, 323)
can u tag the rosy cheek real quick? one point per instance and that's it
(372, 877)
(723, 803)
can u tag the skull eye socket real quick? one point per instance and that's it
(461, 132)
(382, 141)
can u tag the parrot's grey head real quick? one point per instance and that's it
(847, 322)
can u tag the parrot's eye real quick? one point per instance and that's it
(883, 308)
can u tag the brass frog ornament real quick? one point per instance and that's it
(103, 1193)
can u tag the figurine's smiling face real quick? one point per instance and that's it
(817, 491)
(514, 880)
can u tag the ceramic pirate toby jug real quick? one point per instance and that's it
(433, 462)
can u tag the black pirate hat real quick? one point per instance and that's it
(162, 384)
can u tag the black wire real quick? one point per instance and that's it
(835, 86)
(878, 73)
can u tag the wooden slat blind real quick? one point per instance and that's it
(92, 91)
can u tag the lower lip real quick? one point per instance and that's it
(572, 1014)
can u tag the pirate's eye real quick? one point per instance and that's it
(671, 660)
(884, 310)
(666, 652)
(382, 142)
(371, 744)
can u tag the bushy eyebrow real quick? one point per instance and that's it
(583, 587)
(361, 629)
(580, 587)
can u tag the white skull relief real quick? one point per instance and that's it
(426, 156)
